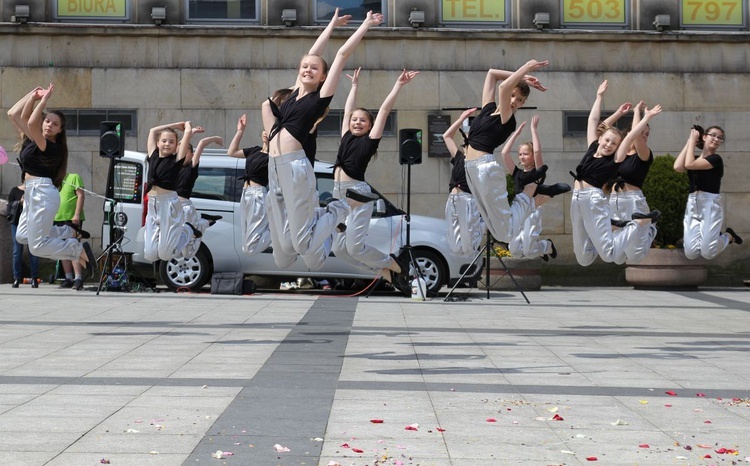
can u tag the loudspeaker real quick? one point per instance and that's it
(410, 146)
(111, 140)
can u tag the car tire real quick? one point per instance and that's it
(191, 274)
(433, 269)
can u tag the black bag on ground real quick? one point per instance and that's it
(227, 283)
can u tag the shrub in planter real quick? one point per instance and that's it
(667, 190)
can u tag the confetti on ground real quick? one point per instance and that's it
(644, 445)
(219, 455)
(643, 402)
(132, 431)
(376, 421)
(670, 393)
(357, 450)
(333, 463)
(619, 422)
(491, 419)
(592, 458)
(414, 426)
(440, 429)
(280, 448)
(104, 461)
(700, 394)
(567, 452)
(557, 417)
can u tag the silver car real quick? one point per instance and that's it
(218, 191)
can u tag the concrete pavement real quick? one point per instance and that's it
(579, 376)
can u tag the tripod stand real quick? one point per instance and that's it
(119, 267)
(489, 249)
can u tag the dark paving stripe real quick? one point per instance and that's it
(288, 402)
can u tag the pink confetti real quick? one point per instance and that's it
(440, 429)
(668, 406)
(357, 450)
(104, 461)
(491, 419)
(376, 421)
(707, 456)
(644, 445)
(700, 394)
(399, 463)
(345, 445)
(592, 458)
(707, 422)
(412, 427)
(557, 417)
(726, 451)
(703, 445)
(670, 393)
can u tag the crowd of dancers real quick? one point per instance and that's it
(280, 206)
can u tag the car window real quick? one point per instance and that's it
(217, 183)
(324, 182)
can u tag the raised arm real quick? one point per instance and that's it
(351, 101)
(34, 130)
(234, 149)
(508, 161)
(621, 110)
(490, 84)
(536, 142)
(595, 114)
(449, 133)
(183, 152)
(320, 44)
(202, 145)
(641, 144)
(385, 109)
(688, 148)
(506, 87)
(622, 150)
(695, 163)
(19, 113)
(153, 133)
(334, 73)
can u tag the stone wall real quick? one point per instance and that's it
(211, 75)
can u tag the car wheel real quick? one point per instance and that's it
(433, 269)
(184, 273)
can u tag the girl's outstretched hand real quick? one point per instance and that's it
(242, 122)
(407, 76)
(339, 21)
(534, 82)
(534, 122)
(374, 19)
(354, 76)
(625, 108)
(602, 87)
(652, 112)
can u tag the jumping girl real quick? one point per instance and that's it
(527, 243)
(185, 182)
(493, 125)
(292, 188)
(44, 158)
(627, 197)
(704, 213)
(465, 224)
(360, 137)
(165, 221)
(589, 208)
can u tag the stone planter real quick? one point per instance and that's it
(666, 268)
(527, 273)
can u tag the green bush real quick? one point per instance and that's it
(667, 190)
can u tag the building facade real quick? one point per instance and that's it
(208, 61)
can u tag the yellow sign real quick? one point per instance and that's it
(485, 11)
(594, 11)
(713, 12)
(92, 8)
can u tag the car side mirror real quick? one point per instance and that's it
(379, 207)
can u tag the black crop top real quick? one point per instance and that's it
(708, 181)
(355, 153)
(42, 164)
(633, 170)
(299, 116)
(458, 173)
(256, 165)
(186, 180)
(162, 171)
(486, 132)
(596, 171)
